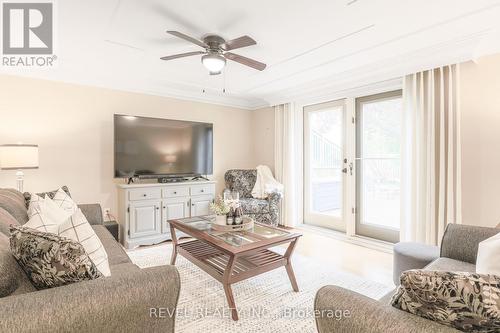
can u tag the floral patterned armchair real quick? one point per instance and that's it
(262, 210)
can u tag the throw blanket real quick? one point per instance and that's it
(265, 183)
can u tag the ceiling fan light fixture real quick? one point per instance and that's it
(214, 63)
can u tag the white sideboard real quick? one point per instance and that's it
(143, 209)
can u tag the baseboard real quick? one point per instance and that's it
(367, 242)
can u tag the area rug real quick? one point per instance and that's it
(266, 303)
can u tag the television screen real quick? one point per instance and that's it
(148, 147)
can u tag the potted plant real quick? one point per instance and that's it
(220, 208)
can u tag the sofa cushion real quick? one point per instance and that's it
(6, 220)
(116, 253)
(469, 302)
(50, 260)
(461, 241)
(13, 280)
(254, 206)
(451, 265)
(13, 202)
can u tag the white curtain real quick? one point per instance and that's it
(287, 161)
(431, 155)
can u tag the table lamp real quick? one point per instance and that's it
(18, 157)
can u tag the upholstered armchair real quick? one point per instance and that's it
(262, 210)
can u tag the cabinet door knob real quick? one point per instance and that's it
(175, 192)
(157, 208)
(202, 190)
(164, 207)
(144, 195)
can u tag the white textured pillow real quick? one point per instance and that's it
(41, 222)
(48, 208)
(34, 204)
(488, 256)
(64, 201)
(79, 229)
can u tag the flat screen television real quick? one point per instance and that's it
(153, 148)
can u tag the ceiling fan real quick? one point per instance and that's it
(216, 51)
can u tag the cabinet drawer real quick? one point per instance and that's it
(144, 194)
(203, 189)
(176, 191)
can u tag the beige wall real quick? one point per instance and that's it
(480, 102)
(263, 131)
(72, 124)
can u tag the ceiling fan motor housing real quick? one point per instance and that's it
(214, 43)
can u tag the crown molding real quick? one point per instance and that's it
(391, 70)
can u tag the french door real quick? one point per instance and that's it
(378, 165)
(352, 165)
(325, 165)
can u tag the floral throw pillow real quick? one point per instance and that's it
(50, 260)
(469, 302)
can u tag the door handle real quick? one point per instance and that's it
(351, 166)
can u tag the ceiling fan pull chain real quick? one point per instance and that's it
(224, 87)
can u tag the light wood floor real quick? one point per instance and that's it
(368, 263)
(365, 262)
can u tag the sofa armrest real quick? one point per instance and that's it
(355, 313)
(92, 212)
(130, 302)
(460, 242)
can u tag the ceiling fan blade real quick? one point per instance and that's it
(182, 55)
(245, 61)
(188, 38)
(239, 42)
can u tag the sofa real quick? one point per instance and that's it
(458, 252)
(262, 210)
(127, 301)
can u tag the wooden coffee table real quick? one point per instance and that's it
(230, 257)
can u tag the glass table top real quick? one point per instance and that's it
(236, 238)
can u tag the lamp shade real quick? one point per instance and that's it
(18, 156)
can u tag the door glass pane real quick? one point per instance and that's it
(379, 161)
(325, 163)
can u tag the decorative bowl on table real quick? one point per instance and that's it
(246, 225)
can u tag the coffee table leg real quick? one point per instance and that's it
(288, 266)
(227, 287)
(174, 245)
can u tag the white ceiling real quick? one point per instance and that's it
(311, 47)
